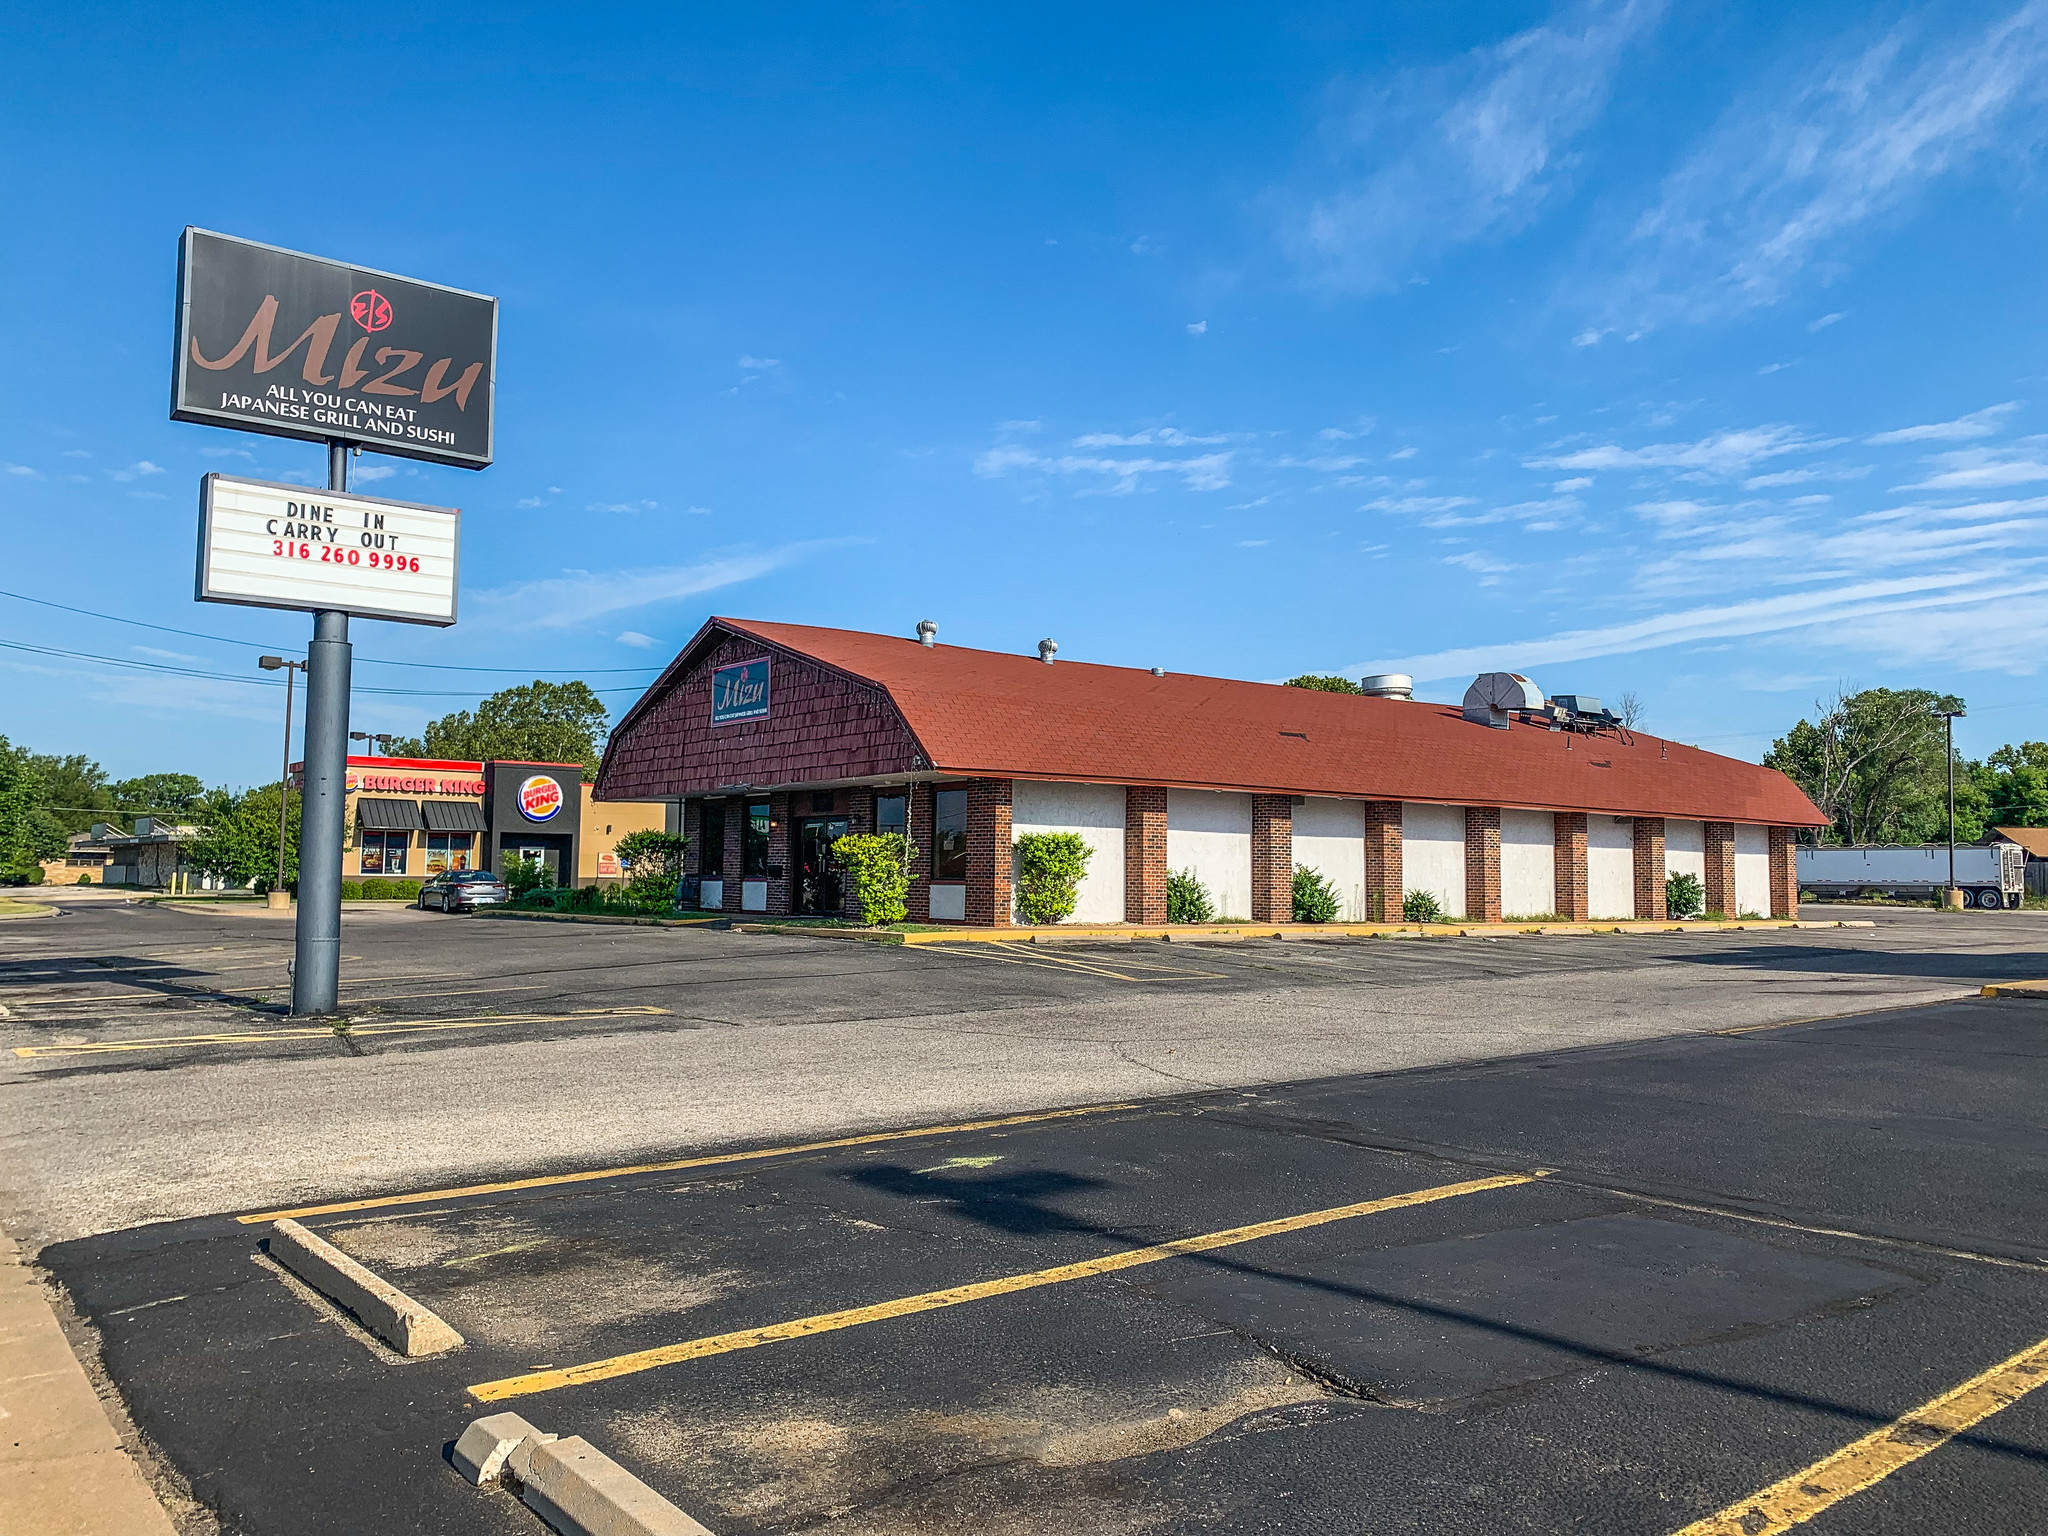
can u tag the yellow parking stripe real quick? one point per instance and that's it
(928, 1301)
(326, 1032)
(1879, 1454)
(711, 1161)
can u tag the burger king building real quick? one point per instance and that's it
(768, 741)
(413, 818)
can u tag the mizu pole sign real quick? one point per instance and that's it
(269, 340)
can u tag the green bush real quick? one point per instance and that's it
(1684, 896)
(83, 880)
(1421, 907)
(1187, 899)
(877, 866)
(653, 864)
(1315, 899)
(391, 890)
(1049, 870)
(522, 878)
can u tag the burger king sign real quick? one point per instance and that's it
(540, 798)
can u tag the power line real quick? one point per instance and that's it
(251, 682)
(373, 661)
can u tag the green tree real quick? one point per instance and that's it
(653, 862)
(167, 794)
(238, 840)
(1323, 682)
(1874, 763)
(29, 832)
(77, 792)
(2018, 798)
(536, 722)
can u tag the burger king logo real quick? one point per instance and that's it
(539, 798)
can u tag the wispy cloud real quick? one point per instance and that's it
(1982, 423)
(1164, 437)
(1115, 477)
(622, 506)
(24, 471)
(1722, 454)
(577, 597)
(372, 472)
(1199, 328)
(136, 471)
(1827, 320)
(634, 638)
(1438, 157)
(1977, 469)
(1784, 183)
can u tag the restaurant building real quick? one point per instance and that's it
(769, 741)
(412, 818)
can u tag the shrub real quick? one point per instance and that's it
(1049, 870)
(1187, 899)
(877, 866)
(1421, 907)
(653, 863)
(390, 890)
(522, 878)
(1315, 899)
(83, 880)
(1684, 896)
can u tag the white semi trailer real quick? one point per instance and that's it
(1991, 877)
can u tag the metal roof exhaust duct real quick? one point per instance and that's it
(1388, 685)
(1047, 649)
(927, 633)
(1493, 695)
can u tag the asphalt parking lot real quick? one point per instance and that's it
(1586, 1234)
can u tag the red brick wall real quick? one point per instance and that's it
(1383, 890)
(1721, 867)
(1482, 863)
(990, 902)
(1272, 858)
(1569, 852)
(821, 726)
(1650, 867)
(1784, 872)
(919, 901)
(1144, 853)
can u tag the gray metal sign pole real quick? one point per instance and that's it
(316, 968)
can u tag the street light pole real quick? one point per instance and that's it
(1949, 718)
(284, 778)
(316, 969)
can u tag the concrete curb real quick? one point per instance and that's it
(2017, 989)
(593, 917)
(1227, 933)
(379, 1306)
(569, 1483)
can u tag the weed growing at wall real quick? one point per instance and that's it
(1315, 898)
(1684, 896)
(877, 866)
(1421, 907)
(1049, 870)
(1187, 899)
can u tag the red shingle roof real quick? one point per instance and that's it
(998, 715)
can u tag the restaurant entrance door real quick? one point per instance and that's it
(819, 889)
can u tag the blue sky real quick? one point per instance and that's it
(1689, 350)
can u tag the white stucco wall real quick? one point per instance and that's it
(1433, 853)
(1685, 848)
(1096, 812)
(1528, 863)
(1329, 836)
(1210, 832)
(1752, 870)
(1610, 866)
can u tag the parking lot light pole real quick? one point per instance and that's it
(316, 968)
(279, 895)
(1951, 897)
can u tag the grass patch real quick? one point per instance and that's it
(838, 922)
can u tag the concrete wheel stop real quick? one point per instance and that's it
(569, 1483)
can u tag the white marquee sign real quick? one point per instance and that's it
(289, 546)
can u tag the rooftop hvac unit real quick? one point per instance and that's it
(1494, 695)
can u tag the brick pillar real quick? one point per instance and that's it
(990, 903)
(1569, 853)
(1650, 868)
(1272, 858)
(1721, 867)
(735, 851)
(1383, 861)
(1482, 863)
(917, 901)
(1144, 853)
(1784, 873)
(693, 823)
(781, 856)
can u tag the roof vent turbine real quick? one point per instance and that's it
(1387, 685)
(1494, 694)
(1046, 651)
(927, 633)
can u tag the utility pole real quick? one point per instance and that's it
(279, 896)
